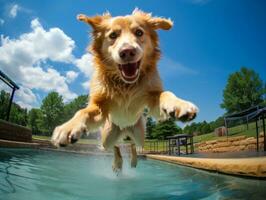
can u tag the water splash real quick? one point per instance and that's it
(103, 166)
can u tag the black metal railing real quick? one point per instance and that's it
(155, 146)
(13, 86)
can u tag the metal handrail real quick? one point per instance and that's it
(13, 86)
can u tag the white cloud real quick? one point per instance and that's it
(24, 60)
(85, 64)
(3, 86)
(36, 46)
(71, 76)
(26, 98)
(2, 22)
(14, 10)
(86, 85)
(37, 78)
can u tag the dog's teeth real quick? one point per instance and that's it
(136, 72)
(123, 73)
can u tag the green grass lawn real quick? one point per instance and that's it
(41, 137)
(162, 145)
(234, 131)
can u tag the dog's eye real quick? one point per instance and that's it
(139, 33)
(113, 35)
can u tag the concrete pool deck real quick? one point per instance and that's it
(248, 167)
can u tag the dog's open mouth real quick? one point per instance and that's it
(130, 71)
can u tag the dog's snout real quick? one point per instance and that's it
(127, 53)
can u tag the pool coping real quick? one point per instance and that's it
(18, 144)
(254, 167)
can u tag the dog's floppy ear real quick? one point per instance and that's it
(160, 23)
(154, 22)
(95, 21)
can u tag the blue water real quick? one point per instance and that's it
(37, 175)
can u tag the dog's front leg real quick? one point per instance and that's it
(87, 119)
(165, 105)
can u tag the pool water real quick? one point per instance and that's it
(37, 175)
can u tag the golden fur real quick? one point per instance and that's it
(115, 102)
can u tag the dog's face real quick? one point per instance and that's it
(126, 44)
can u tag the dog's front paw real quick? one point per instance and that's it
(187, 111)
(68, 132)
(178, 109)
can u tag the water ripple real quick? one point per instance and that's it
(73, 176)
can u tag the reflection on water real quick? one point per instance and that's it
(35, 174)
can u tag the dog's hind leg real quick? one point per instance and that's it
(134, 159)
(110, 135)
(136, 133)
(118, 161)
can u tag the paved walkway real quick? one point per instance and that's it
(248, 167)
(238, 154)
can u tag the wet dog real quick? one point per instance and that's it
(125, 52)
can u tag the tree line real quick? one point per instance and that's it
(243, 90)
(52, 112)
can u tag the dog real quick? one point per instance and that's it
(125, 52)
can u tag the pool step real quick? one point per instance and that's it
(16, 144)
(14, 132)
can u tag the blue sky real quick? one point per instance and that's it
(210, 39)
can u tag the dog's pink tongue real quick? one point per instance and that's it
(129, 69)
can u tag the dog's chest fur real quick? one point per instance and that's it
(125, 105)
(125, 110)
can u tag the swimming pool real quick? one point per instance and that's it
(41, 175)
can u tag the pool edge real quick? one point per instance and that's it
(244, 167)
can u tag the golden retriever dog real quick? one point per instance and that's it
(125, 52)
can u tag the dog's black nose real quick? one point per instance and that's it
(127, 53)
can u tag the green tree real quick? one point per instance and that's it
(72, 107)
(35, 118)
(150, 125)
(53, 109)
(243, 90)
(190, 129)
(205, 128)
(4, 100)
(165, 128)
(217, 123)
(18, 115)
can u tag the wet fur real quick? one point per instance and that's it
(116, 104)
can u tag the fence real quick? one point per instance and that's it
(155, 147)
